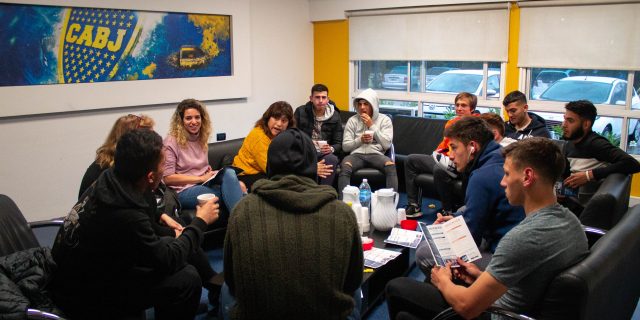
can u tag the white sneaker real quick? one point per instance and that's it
(446, 163)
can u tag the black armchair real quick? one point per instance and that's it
(17, 241)
(609, 203)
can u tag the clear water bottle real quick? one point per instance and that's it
(365, 193)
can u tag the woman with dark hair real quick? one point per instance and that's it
(252, 157)
(187, 169)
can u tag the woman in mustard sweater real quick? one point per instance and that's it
(252, 157)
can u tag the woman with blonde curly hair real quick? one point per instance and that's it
(187, 164)
(105, 153)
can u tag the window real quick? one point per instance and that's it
(406, 85)
(607, 89)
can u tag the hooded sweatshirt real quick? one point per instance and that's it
(536, 128)
(292, 251)
(487, 211)
(113, 241)
(355, 128)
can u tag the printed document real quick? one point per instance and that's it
(450, 240)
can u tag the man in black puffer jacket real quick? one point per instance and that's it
(320, 120)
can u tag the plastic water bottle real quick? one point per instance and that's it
(365, 194)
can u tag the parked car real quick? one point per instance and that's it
(433, 72)
(454, 82)
(396, 79)
(546, 78)
(599, 90)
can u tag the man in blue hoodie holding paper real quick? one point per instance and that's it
(486, 209)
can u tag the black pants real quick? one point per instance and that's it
(422, 300)
(176, 296)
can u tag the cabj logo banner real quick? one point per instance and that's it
(54, 45)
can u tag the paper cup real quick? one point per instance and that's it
(367, 243)
(205, 197)
(409, 224)
(321, 143)
(369, 132)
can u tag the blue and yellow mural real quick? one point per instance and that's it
(53, 45)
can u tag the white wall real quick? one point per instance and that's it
(43, 158)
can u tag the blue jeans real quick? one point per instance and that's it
(227, 301)
(229, 192)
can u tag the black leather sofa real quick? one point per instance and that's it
(609, 203)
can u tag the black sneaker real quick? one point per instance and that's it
(413, 211)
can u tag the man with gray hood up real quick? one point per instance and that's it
(367, 136)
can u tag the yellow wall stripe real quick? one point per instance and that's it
(331, 59)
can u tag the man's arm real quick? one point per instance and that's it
(620, 161)
(469, 302)
(383, 132)
(479, 202)
(349, 141)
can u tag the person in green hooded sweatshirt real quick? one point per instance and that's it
(292, 250)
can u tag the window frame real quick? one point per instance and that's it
(424, 97)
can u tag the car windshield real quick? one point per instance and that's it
(596, 92)
(455, 82)
(399, 70)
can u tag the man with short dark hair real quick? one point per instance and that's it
(320, 120)
(522, 124)
(292, 251)
(486, 209)
(496, 124)
(111, 263)
(591, 156)
(437, 163)
(549, 240)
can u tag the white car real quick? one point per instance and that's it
(598, 90)
(396, 79)
(456, 81)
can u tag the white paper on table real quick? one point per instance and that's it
(377, 257)
(405, 238)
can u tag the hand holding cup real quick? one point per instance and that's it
(208, 208)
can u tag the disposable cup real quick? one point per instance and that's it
(409, 224)
(205, 197)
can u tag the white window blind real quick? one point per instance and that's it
(477, 34)
(593, 36)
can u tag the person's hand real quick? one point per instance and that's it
(440, 218)
(576, 179)
(325, 149)
(467, 272)
(366, 138)
(243, 187)
(207, 175)
(209, 211)
(173, 224)
(366, 119)
(324, 170)
(178, 232)
(441, 275)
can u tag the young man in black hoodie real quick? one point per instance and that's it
(522, 124)
(111, 262)
(320, 120)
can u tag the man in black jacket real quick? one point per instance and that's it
(320, 120)
(522, 124)
(111, 262)
(591, 156)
